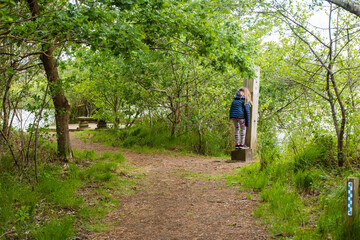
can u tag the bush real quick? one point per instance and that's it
(305, 180)
(316, 154)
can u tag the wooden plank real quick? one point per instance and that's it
(254, 86)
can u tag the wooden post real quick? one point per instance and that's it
(352, 199)
(250, 139)
(254, 86)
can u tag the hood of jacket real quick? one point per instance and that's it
(238, 95)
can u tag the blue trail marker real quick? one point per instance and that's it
(350, 198)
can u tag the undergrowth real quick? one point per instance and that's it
(301, 197)
(66, 200)
(158, 138)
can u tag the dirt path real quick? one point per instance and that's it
(172, 207)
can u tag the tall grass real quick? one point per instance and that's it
(55, 206)
(283, 209)
(55, 229)
(302, 197)
(21, 202)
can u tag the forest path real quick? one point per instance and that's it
(175, 202)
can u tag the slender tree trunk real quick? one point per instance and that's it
(173, 129)
(62, 106)
(200, 137)
(6, 107)
(116, 120)
(341, 131)
(150, 116)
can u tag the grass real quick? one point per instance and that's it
(301, 197)
(158, 139)
(302, 194)
(283, 209)
(55, 229)
(55, 206)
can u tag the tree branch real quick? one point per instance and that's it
(310, 88)
(347, 5)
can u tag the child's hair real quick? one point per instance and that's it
(247, 94)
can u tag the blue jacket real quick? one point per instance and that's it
(239, 109)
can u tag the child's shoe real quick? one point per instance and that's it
(243, 147)
(237, 146)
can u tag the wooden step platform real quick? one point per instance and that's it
(244, 155)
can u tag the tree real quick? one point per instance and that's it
(198, 28)
(325, 65)
(62, 106)
(101, 78)
(350, 6)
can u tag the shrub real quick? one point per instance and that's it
(305, 180)
(317, 153)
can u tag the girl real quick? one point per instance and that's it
(240, 115)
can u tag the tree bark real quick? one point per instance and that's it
(347, 5)
(6, 107)
(62, 106)
(341, 132)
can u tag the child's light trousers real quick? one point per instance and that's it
(239, 123)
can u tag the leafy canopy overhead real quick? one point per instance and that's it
(201, 28)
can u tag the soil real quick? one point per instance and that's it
(171, 206)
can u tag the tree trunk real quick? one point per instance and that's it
(150, 117)
(62, 106)
(341, 131)
(6, 108)
(200, 147)
(173, 129)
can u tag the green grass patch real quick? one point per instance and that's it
(282, 209)
(55, 206)
(248, 177)
(55, 229)
(298, 202)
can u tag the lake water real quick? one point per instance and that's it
(24, 118)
